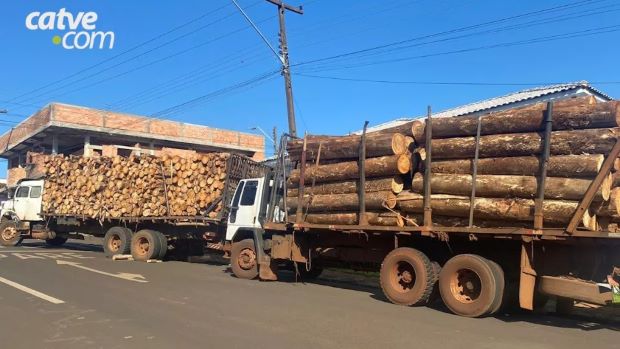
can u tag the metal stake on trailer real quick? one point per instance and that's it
(361, 190)
(428, 130)
(542, 172)
(472, 198)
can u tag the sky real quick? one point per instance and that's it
(351, 61)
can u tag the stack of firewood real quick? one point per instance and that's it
(583, 133)
(135, 186)
(331, 177)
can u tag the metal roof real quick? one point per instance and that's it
(527, 96)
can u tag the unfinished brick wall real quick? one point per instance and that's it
(165, 128)
(25, 129)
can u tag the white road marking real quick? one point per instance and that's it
(124, 276)
(31, 291)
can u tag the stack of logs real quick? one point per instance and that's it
(135, 186)
(583, 132)
(331, 177)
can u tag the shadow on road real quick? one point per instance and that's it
(69, 245)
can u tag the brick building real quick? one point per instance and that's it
(68, 129)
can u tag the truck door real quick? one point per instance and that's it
(244, 207)
(21, 201)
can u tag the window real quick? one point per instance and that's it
(235, 201)
(35, 192)
(22, 192)
(249, 193)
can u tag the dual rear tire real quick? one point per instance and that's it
(472, 286)
(469, 285)
(148, 244)
(144, 245)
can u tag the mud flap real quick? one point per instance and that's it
(527, 281)
(267, 271)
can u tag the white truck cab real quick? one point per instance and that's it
(245, 207)
(25, 205)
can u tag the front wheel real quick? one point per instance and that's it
(243, 259)
(9, 235)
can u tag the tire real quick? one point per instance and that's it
(59, 240)
(163, 245)
(407, 277)
(117, 240)
(243, 259)
(498, 273)
(468, 285)
(315, 271)
(9, 235)
(145, 245)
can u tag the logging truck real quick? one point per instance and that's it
(519, 243)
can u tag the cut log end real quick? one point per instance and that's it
(404, 164)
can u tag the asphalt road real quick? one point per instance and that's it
(87, 301)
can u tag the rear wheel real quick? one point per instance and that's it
(117, 240)
(243, 259)
(163, 245)
(59, 240)
(498, 273)
(468, 285)
(407, 276)
(9, 235)
(145, 245)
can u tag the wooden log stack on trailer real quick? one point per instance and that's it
(499, 154)
(332, 178)
(135, 186)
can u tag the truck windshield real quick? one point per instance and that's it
(235, 201)
(22, 192)
(249, 193)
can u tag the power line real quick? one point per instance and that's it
(99, 72)
(460, 29)
(581, 33)
(142, 44)
(199, 99)
(178, 53)
(564, 17)
(457, 83)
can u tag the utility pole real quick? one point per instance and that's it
(282, 55)
(286, 71)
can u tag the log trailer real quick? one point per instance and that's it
(476, 271)
(145, 238)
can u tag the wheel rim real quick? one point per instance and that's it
(402, 277)
(246, 259)
(9, 233)
(114, 244)
(143, 246)
(465, 286)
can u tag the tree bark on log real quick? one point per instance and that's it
(558, 166)
(554, 211)
(394, 184)
(347, 147)
(590, 141)
(340, 202)
(374, 167)
(350, 218)
(502, 186)
(414, 219)
(567, 115)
